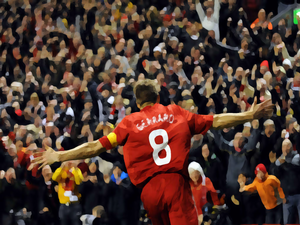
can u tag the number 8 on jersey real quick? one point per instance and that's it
(157, 148)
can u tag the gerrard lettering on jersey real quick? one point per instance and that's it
(155, 119)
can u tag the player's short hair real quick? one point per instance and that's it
(146, 91)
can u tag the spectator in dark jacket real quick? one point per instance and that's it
(238, 161)
(252, 209)
(49, 203)
(90, 188)
(12, 195)
(287, 170)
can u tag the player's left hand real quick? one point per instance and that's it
(47, 157)
(264, 109)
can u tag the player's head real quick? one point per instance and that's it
(146, 92)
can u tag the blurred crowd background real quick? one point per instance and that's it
(67, 72)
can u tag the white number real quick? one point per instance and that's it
(157, 148)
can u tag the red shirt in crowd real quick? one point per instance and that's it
(200, 192)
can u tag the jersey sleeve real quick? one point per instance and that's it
(122, 131)
(117, 137)
(198, 124)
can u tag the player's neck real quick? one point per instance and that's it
(147, 104)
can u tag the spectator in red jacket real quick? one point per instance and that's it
(201, 186)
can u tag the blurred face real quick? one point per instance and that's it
(45, 89)
(62, 44)
(276, 38)
(197, 54)
(160, 78)
(239, 73)
(245, 32)
(166, 24)
(195, 79)
(105, 93)
(263, 69)
(195, 176)
(29, 140)
(62, 106)
(291, 126)
(238, 140)
(70, 79)
(68, 67)
(171, 61)
(131, 27)
(231, 2)
(286, 147)
(47, 173)
(16, 53)
(286, 67)
(174, 44)
(93, 168)
(141, 77)
(77, 83)
(209, 12)
(88, 105)
(262, 15)
(12, 151)
(3, 81)
(157, 54)
(19, 145)
(149, 31)
(211, 33)
(10, 175)
(113, 72)
(172, 91)
(263, 87)
(119, 102)
(22, 131)
(108, 42)
(269, 130)
(205, 151)
(260, 175)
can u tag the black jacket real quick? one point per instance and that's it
(47, 194)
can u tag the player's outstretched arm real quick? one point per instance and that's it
(227, 120)
(86, 150)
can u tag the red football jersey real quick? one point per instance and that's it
(157, 140)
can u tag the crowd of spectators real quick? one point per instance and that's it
(67, 72)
